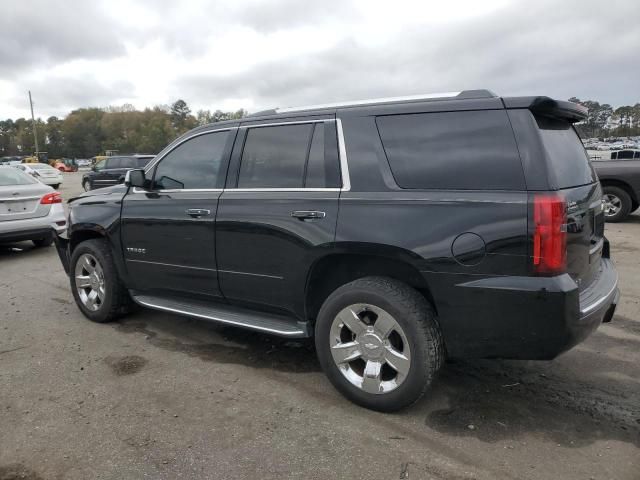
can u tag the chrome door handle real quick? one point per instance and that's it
(307, 214)
(198, 212)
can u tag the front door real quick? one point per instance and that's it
(168, 230)
(278, 213)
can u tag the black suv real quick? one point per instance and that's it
(397, 232)
(111, 170)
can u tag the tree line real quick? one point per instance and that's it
(86, 132)
(604, 121)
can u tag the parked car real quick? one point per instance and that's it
(397, 232)
(29, 210)
(620, 180)
(64, 164)
(10, 161)
(110, 171)
(43, 172)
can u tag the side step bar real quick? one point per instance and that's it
(227, 314)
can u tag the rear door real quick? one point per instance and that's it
(278, 212)
(168, 230)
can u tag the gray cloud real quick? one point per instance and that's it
(584, 48)
(42, 33)
(561, 49)
(69, 93)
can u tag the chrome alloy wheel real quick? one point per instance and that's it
(370, 348)
(89, 279)
(612, 204)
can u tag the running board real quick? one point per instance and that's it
(226, 314)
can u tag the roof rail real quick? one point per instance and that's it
(463, 95)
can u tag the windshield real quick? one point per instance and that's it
(12, 176)
(100, 165)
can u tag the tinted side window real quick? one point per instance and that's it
(323, 167)
(568, 160)
(141, 162)
(452, 150)
(114, 163)
(625, 154)
(274, 157)
(195, 163)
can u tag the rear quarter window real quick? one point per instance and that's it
(473, 150)
(567, 159)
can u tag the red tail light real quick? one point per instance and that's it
(550, 234)
(51, 198)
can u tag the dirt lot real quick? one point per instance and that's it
(163, 397)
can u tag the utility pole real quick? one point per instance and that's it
(33, 123)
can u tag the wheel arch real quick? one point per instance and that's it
(345, 265)
(610, 182)
(88, 232)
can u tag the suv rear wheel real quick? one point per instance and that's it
(617, 204)
(95, 284)
(379, 343)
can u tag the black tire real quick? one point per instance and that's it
(86, 185)
(56, 186)
(117, 301)
(414, 315)
(43, 242)
(625, 203)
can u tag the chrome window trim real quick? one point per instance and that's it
(342, 156)
(293, 122)
(158, 158)
(342, 153)
(152, 164)
(178, 190)
(301, 189)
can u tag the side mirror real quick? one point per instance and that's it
(135, 178)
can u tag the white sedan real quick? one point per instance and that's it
(43, 172)
(29, 210)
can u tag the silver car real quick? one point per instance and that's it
(43, 172)
(29, 210)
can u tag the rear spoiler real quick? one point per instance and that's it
(548, 107)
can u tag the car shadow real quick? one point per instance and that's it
(496, 400)
(491, 400)
(213, 342)
(21, 248)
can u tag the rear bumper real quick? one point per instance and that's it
(532, 318)
(34, 228)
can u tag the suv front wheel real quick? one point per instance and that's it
(379, 343)
(95, 284)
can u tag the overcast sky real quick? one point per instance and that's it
(262, 54)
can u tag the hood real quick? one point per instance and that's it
(116, 190)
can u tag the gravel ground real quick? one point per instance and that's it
(164, 397)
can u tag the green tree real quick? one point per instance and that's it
(181, 117)
(54, 138)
